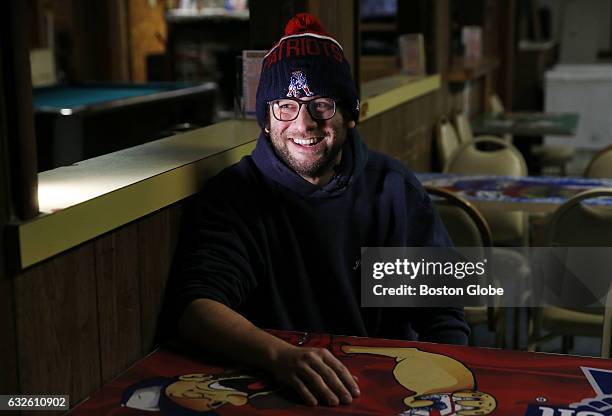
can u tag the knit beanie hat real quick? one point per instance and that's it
(306, 62)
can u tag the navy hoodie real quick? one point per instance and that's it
(285, 253)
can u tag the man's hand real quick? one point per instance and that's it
(316, 375)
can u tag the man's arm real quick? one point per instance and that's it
(314, 373)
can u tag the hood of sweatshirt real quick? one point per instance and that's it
(352, 164)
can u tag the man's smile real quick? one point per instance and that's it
(311, 145)
(307, 142)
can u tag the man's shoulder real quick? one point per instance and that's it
(386, 168)
(237, 179)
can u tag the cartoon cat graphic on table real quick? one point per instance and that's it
(441, 385)
(438, 386)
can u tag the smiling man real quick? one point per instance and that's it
(277, 238)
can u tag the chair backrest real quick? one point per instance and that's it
(467, 228)
(504, 160)
(463, 128)
(575, 224)
(601, 164)
(465, 224)
(446, 140)
(606, 342)
(496, 106)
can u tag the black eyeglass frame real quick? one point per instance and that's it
(306, 103)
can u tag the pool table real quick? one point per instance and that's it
(77, 122)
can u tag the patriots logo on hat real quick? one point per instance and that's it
(296, 83)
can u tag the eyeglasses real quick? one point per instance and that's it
(287, 109)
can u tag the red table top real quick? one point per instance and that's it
(395, 378)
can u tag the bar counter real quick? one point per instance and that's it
(89, 198)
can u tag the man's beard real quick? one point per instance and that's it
(310, 169)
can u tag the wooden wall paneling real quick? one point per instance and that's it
(157, 238)
(370, 131)
(147, 25)
(425, 114)
(441, 45)
(507, 48)
(9, 374)
(117, 278)
(418, 157)
(491, 46)
(441, 22)
(267, 20)
(356, 64)
(337, 16)
(67, 48)
(57, 326)
(490, 27)
(17, 105)
(89, 56)
(405, 132)
(119, 39)
(413, 122)
(394, 131)
(32, 24)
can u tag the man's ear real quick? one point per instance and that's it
(351, 124)
(267, 124)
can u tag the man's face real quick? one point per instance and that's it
(310, 147)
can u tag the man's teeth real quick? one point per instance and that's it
(306, 142)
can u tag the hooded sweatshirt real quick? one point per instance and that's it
(285, 253)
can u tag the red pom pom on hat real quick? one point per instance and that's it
(304, 23)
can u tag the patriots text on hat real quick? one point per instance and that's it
(302, 46)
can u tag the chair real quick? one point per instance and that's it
(574, 224)
(446, 140)
(548, 155)
(601, 164)
(509, 228)
(467, 228)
